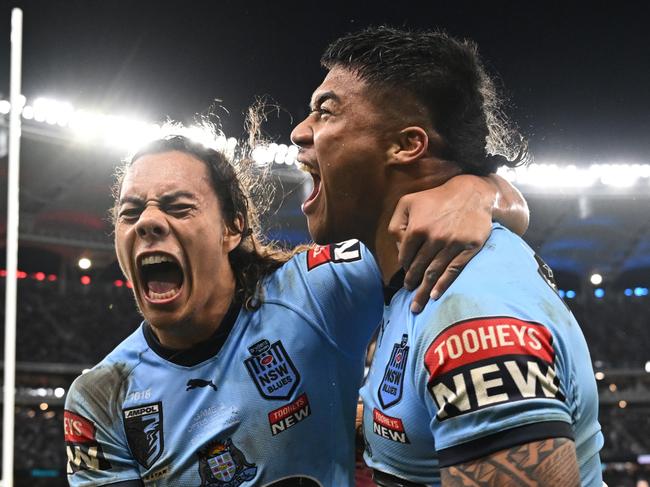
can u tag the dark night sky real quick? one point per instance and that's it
(578, 75)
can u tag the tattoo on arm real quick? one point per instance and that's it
(543, 463)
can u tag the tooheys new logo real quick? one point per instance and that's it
(272, 370)
(82, 448)
(144, 432)
(482, 362)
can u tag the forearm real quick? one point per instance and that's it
(510, 207)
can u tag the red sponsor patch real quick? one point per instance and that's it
(478, 339)
(394, 424)
(388, 427)
(291, 408)
(318, 255)
(78, 429)
(289, 415)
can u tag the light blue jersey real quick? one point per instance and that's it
(498, 361)
(272, 396)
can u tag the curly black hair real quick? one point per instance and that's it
(447, 77)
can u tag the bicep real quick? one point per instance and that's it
(548, 462)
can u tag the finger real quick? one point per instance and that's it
(408, 242)
(447, 262)
(429, 279)
(420, 299)
(400, 218)
(428, 257)
(452, 271)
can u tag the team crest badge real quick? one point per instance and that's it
(272, 370)
(390, 388)
(222, 464)
(144, 432)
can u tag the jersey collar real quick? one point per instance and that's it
(201, 351)
(396, 283)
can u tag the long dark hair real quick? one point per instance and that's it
(234, 184)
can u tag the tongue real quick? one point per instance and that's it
(164, 279)
(161, 286)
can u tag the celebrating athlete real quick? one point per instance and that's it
(492, 384)
(247, 366)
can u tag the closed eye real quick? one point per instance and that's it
(128, 214)
(178, 209)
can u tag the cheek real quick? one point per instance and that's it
(122, 246)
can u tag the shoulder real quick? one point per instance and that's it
(102, 385)
(348, 260)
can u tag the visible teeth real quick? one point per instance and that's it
(156, 259)
(159, 296)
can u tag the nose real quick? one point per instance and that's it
(302, 134)
(152, 224)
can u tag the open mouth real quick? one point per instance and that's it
(162, 277)
(316, 180)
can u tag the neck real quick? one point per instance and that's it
(426, 175)
(199, 326)
(384, 248)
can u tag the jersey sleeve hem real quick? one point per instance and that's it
(502, 440)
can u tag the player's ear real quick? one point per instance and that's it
(232, 234)
(410, 145)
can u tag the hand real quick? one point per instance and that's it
(439, 231)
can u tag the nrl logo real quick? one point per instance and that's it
(390, 388)
(272, 370)
(222, 464)
(144, 432)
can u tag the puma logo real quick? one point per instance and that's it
(196, 383)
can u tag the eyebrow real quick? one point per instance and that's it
(322, 98)
(164, 199)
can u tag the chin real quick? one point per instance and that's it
(325, 234)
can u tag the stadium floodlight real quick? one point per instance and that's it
(600, 375)
(292, 155)
(564, 176)
(596, 279)
(52, 112)
(640, 291)
(5, 107)
(259, 155)
(622, 404)
(127, 134)
(84, 263)
(28, 112)
(280, 154)
(647, 366)
(59, 392)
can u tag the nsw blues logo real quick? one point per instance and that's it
(272, 370)
(222, 464)
(144, 432)
(390, 388)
